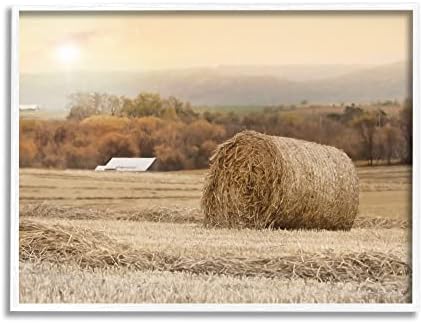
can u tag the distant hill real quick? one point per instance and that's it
(230, 85)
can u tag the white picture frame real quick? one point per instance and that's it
(15, 305)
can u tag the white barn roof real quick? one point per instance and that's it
(129, 164)
(100, 168)
(29, 107)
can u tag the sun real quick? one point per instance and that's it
(67, 53)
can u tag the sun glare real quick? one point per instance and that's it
(67, 53)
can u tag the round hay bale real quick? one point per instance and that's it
(260, 181)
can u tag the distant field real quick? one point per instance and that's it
(44, 114)
(308, 108)
(240, 110)
(120, 237)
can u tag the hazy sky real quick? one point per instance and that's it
(136, 41)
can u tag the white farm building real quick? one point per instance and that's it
(100, 168)
(127, 164)
(29, 107)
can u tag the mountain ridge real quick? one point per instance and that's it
(230, 85)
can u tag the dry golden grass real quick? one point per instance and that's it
(110, 190)
(260, 181)
(166, 214)
(121, 220)
(163, 214)
(92, 249)
(154, 214)
(195, 241)
(384, 191)
(53, 283)
(381, 222)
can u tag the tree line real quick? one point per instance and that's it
(101, 126)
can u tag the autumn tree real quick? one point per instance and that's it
(27, 153)
(101, 124)
(145, 104)
(350, 113)
(83, 105)
(80, 157)
(115, 145)
(366, 126)
(182, 110)
(143, 132)
(406, 130)
(170, 157)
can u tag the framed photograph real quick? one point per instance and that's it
(214, 157)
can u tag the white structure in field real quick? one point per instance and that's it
(127, 164)
(100, 168)
(29, 107)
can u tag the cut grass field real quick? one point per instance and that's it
(89, 237)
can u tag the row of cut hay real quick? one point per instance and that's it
(163, 214)
(152, 214)
(90, 249)
(62, 244)
(379, 187)
(259, 181)
(363, 222)
(169, 215)
(46, 210)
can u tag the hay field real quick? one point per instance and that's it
(89, 237)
